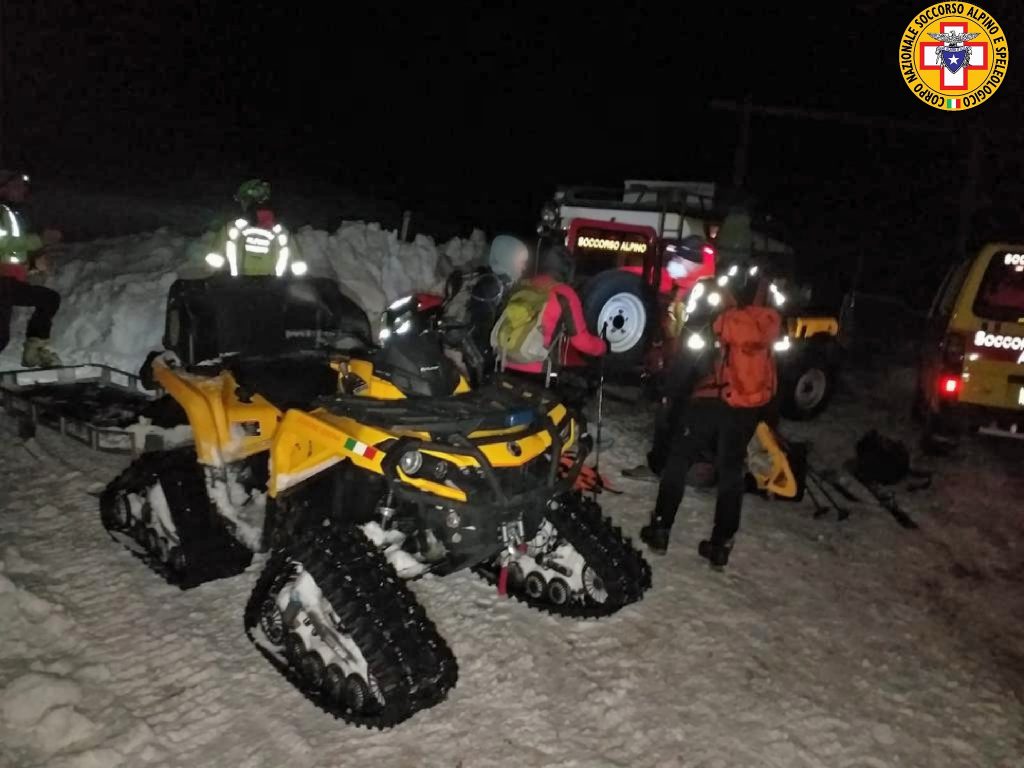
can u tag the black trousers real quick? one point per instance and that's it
(667, 423)
(709, 422)
(16, 293)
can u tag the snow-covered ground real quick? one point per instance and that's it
(856, 644)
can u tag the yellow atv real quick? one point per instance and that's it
(356, 470)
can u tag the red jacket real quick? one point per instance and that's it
(575, 326)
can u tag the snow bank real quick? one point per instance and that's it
(114, 291)
(28, 698)
(29, 623)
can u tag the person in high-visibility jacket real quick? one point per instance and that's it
(256, 243)
(21, 253)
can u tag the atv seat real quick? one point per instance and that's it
(287, 382)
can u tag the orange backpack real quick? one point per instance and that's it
(747, 336)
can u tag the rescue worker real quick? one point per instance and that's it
(735, 239)
(476, 300)
(681, 262)
(542, 311)
(725, 406)
(506, 262)
(22, 253)
(255, 244)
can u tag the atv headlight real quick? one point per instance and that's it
(410, 462)
(299, 268)
(696, 342)
(215, 260)
(439, 469)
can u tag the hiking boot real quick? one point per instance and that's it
(655, 538)
(716, 554)
(640, 472)
(37, 354)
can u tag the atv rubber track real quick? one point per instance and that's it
(624, 571)
(412, 664)
(210, 551)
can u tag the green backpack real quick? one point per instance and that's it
(518, 336)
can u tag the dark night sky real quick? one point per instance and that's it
(483, 111)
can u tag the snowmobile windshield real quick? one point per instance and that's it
(417, 365)
(316, 311)
(261, 316)
(1001, 295)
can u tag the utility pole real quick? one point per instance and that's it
(3, 93)
(968, 193)
(739, 171)
(829, 116)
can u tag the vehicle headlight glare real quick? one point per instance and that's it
(410, 462)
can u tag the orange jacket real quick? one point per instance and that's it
(746, 337)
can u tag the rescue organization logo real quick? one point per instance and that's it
(953, 56)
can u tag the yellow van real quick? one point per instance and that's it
(971, 373)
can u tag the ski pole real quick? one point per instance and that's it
(842, 513)
(600, 403)
(820, 510)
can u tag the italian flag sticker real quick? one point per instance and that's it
(360, 449)
(953, 103)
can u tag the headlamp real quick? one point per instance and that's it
(410, 462)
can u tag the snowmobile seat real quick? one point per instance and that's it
(287, 382)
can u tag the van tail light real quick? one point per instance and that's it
(953, 349)
(950, 386)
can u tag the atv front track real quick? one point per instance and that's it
(613, 573)
(407, 666)
(187, 543)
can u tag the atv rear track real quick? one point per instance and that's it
(614, 574)
(195, 545)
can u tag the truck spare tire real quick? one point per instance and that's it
(620, 300)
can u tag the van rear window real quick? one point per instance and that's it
(1001, 294)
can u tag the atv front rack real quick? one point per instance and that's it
(90, 403)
